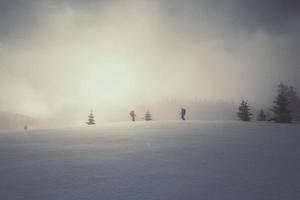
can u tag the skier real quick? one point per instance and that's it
(25, 127)
(132, 115)
(182, 113)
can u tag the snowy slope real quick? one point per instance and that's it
(153, 160)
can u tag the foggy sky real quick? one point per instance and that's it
(70, 56)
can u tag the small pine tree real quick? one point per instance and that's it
(244, 113)
(262, 116)
(91, 120)
(294, 105)
(148, 116)
(281, 112)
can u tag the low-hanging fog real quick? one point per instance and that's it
(60, 59)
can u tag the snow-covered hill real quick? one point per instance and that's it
(153, 160)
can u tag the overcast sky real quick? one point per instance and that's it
(68, 56)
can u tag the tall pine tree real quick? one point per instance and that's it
(244, 113)
(280, 109)
(294, 105)
(91, 119)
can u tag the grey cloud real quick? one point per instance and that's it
(271, 15)
(21, 18)
(17, 18)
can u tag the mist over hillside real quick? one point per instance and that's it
(170, 109)
(17, 121)
(163, 110)
(70, 56)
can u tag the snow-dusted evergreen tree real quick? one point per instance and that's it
(91, 119)
(244, 113)
(294, 105)
(262, 116)
(148, 116)
(281, 112)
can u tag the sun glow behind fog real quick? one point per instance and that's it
(88, 58)
(109, 58)
(110, 83)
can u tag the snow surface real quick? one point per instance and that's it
(153, 160)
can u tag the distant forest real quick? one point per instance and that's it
(285, 107)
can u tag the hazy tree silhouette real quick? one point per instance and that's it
(262, 116)
(244, 113)
(280, 109)
(294, 105)
(91, 119)
(148, 116)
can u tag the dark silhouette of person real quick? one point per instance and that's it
(182, 113)
(132, 115)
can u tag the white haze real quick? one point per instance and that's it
(121, 55)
